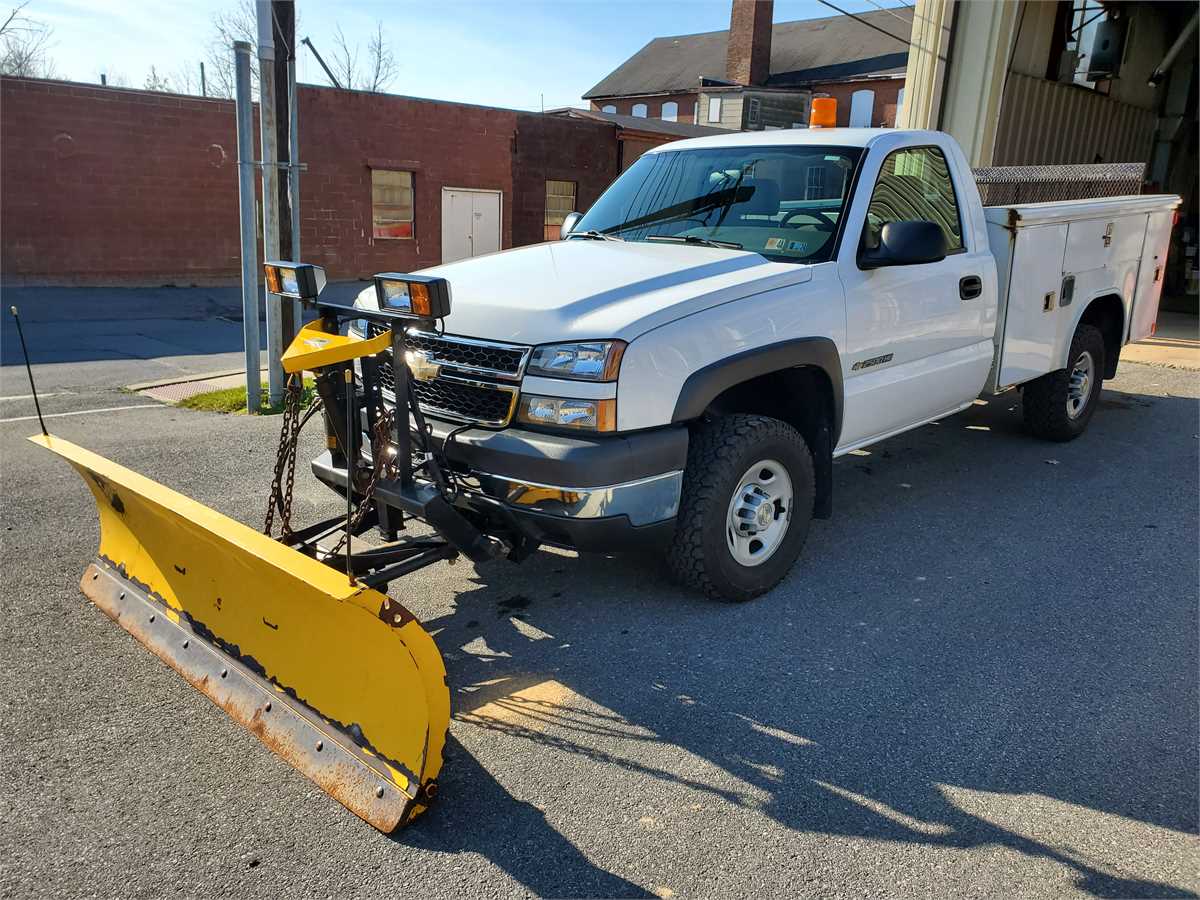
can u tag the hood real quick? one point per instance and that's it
(585, 289)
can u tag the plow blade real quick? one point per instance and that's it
(337, 679)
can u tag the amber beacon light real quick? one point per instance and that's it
(823, 113)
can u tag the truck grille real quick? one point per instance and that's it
(458, 393)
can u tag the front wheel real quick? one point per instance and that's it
(1058, 406)
(745, 509)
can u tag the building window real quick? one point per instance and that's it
(696, 113)
(670, 112)
(609, 108)
(714, 109)
(915, 185)
(753, 111)
(560, 200)
(639, 110)
(391, 204)
(814, 183)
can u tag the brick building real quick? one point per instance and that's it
(112, 186)
(758, 74)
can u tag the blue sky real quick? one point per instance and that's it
(516, 54)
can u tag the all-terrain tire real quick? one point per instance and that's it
(719, 453)
(1044, 401)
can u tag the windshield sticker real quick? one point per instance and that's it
(798, 245)
(775, 243)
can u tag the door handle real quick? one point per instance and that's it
(970, 287)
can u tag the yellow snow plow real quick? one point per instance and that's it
(295, 637)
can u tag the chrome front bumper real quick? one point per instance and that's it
(644, 501)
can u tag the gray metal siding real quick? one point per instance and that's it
(1044, 122)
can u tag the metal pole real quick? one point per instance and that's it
(29, 369)
(294, 157)
(270, 193)
(348, 384)
(332, 79)
(245, 136)
(203, 83)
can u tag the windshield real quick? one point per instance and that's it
(782, 202)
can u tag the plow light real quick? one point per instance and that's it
(299, 281)
(418, 296)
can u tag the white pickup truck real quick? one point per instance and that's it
(736, 311)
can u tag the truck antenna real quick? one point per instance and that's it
(29, 369)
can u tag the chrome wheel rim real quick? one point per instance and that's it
(759, 513)
(1079, 385)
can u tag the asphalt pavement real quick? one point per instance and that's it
(980, 680)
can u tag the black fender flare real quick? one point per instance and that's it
(703, 386)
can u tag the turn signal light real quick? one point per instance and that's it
(416, 295)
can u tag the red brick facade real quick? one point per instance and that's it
(887, 91)
(748, 48)
(111, 186)
(624, 105)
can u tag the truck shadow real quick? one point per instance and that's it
(936, 666)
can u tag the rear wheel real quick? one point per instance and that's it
(1058, 406)
(745, 509)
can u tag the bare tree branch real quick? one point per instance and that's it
(383, 61)
(239, 23)
(344, 60)
(379, 69)
(156, 82)
(25, 46)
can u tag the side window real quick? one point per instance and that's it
(915, 184)
(560, 200)
(670, 111)
(639, 110)
(391, 204)
(608, 108)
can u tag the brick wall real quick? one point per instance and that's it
(654, 104)
(886, 90)
(344, 135)
(552, 148)
(748, 47)
(111, 186)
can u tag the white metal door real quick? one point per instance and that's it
(1150, 276)
(470, 223)
(485, 222)
(918, 337)
(862, 108)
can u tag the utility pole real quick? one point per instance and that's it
(283, 15)
(203, 83)
(270, 192)
(245, 139)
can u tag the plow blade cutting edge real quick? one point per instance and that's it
(335, 678)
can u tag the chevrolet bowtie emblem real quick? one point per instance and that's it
(421, 365)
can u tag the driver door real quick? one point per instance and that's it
(918, 337)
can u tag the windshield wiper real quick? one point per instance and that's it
(694, 239)
(595, 236)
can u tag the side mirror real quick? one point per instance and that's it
(905, 244)
(568, 224)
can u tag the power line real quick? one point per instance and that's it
(905, 41)
(887, 10)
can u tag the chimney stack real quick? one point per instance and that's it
(748, 52)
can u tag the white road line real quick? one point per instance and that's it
(84, 412)
(40, 396)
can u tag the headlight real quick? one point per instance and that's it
(586, 361)
(557, 412)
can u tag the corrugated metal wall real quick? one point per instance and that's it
(1043, 122)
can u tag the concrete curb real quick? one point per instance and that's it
(185, 379)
